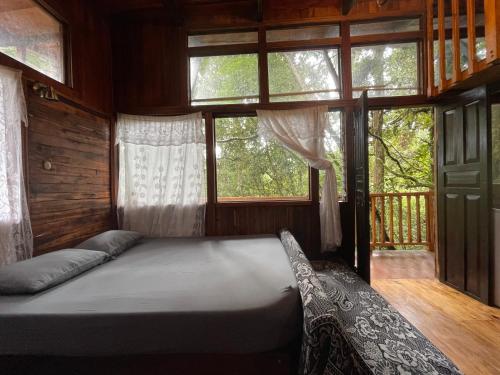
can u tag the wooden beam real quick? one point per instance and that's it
(260, 10)
(455, 14)
(175, 11)
(347, 5)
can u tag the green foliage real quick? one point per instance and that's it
(248, 166)
(387, 70)
(225, 77)
(313, 73)
(408, 138)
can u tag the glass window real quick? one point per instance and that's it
(205, 40)
(224, 79)
(304, 75)
(303, 33)
(29, 34)
(250, 168)
(395, 26)
(436, 47)
(385, 70)
(335, 151)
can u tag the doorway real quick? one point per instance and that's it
(402, 203)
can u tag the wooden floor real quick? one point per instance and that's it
(464, 329)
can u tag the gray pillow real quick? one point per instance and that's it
(47, 270)
(113, 242)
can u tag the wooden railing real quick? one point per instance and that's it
(402, 220)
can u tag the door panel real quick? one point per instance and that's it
(471, 127)
(450, 136)
(472, 244)
(454, 227)
(362, 187)
(463, 193)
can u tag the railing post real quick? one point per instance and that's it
(405, 236)
(432, 237)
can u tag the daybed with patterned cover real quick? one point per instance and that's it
(350, 329)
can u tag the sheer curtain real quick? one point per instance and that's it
(161, 189)
(303, 131)
(16, 238)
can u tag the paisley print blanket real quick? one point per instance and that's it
(348, 328)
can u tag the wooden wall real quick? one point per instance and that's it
(71, 201)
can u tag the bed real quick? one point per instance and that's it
(214, 295)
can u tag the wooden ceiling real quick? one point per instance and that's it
(120, 6)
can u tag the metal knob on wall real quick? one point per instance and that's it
(47, 165)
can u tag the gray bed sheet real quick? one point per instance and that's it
(205, 295)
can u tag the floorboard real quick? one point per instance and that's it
(463, 328)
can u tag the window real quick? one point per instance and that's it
(386, 70)
(29, 34)
(205, 40)
(304, 75)
(335, 150)
(249, 168)
(396, 26)
(303, 33)
(227, 79)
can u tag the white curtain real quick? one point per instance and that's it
(303, 131)
(16, 238)
(162, 189)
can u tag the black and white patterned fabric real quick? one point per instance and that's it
(349, 328)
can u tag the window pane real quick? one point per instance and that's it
(437, 72)
(303, 33)
(222, 39)
(249, 168)
(224, 79)
(334, 148)
(304, 75)
(385, 70)
(32, 36)
(464, 43)
(436, 52)
(396, 26)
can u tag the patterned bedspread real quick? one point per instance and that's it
(350, 329)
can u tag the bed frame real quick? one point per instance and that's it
(279, 362)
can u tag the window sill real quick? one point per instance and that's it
(235, 202)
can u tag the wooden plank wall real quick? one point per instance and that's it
(71, 201)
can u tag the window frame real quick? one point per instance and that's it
(345, 103)
(221, 50)
(66, 48)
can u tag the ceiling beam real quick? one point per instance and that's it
(260, 10)
(347, 6)
(175, 11)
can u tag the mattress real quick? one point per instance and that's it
(205, 295)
